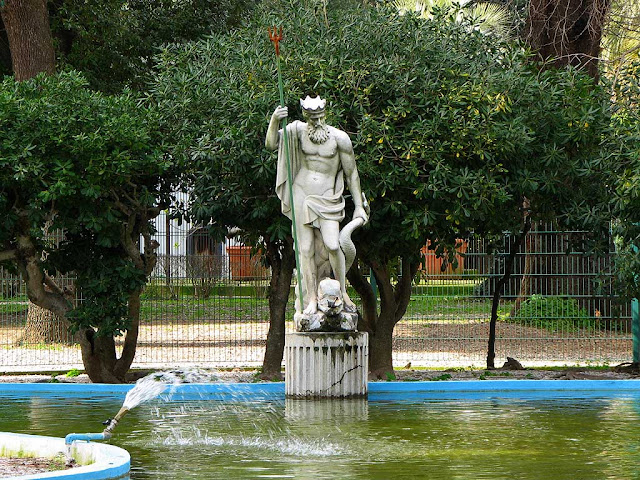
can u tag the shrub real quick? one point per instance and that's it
(552, 313)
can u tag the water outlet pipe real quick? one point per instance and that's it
(105, 435)
(72, 437)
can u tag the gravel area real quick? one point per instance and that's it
(526, 374)
(238, 375)
(11, 467)
(434, 345)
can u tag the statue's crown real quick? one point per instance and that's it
(313, 105)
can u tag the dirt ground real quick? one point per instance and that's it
(242, 375)
(434, 345)
(11, 467)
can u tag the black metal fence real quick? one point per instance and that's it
(206, 304)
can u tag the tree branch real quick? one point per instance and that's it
(50, 282)
(387, 298)
(402, 292)
(131, 337)
(130, 247)
(150, 256)
(31, 269)
(7, 255)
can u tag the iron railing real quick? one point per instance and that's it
(206, 304)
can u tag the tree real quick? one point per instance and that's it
(232, 176)
(447, 124)
(89, 165)
(562, 33)
(114, 42)
(626, 223)
(31, 51)
(29, 37)
(567, 32)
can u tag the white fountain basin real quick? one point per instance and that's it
(98, 461)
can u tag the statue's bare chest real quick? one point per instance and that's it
(328, 149)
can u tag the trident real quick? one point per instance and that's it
(275, 35)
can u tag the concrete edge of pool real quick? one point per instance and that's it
(277, 388)
(99, 461)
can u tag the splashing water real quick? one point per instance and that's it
(289, 445)
(155, 384)
(179, 425)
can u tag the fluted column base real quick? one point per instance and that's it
(326, 365)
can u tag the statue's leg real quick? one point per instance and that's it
(331, 236)
(321, 256)
(306, 246)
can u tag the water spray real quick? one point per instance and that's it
(146, 389)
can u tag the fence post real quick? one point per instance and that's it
(635, 325)
(167, 246)
(635, 329)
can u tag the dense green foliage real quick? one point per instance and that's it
(113, 41)
(88, 165)
(451, 128)
(626, 226)
(453, 132)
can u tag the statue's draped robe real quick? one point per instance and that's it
(314, 207)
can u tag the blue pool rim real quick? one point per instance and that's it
(451, 388)
(110, 461)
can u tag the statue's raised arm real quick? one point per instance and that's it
(271, 140)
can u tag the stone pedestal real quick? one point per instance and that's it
(326, 365)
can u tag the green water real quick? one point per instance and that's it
(596, 438)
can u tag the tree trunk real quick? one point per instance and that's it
(381, 352)
(29, 35)
(394, 301)
(525, 283)
(44, 327)
(99, 357)
(282, 260)
(567, 32)
(99, 354)
(508, 268)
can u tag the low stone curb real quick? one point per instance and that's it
(98, 461)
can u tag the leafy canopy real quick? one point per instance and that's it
(113, 41)
(88, 165)
(451, 128)
(626, 197)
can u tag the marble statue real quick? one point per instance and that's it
(322, 159)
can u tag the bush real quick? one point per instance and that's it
(552, 313)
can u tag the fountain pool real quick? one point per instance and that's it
(436, 430)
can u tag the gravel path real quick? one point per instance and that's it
(11, 467)
(237, 375)
(436, 345)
